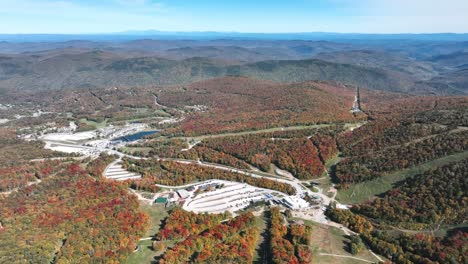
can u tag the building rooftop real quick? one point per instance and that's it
(183, 194)
(161, 200)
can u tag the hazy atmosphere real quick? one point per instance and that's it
(345, 16)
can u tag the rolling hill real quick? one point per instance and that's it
(240, 103)
(392, 61)
(456, 59)
(95, 69)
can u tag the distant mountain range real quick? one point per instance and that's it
(417, 67)
(210, 35)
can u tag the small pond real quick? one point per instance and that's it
(136, 136)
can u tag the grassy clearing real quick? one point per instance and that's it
(367, 191)
(336, 260)
(132, 150)
(156, 213)
(145, 254)
(261, 224)
(95, 124)
(333, 161)
(331, 240)
(324, 181)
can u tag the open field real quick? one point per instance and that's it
(132, 150)
(156, 213)
(262, 247)
(95, 124)
(325, 183)
(331, 240)
(145, 254)
(366, 191)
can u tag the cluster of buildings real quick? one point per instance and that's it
(291, 202)
(180, 196)
(217, 196)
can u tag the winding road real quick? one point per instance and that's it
(301, 190)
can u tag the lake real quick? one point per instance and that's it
(136, 136)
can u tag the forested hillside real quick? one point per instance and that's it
(289, 244)
(237, 104)
(207, 240)
(175, 173)
(421, 131)
(302, 152)
(404, 248)
(411, 160)
(91, 69)
(15, 169)
(438, 196)
(70, 218)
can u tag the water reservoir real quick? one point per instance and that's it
(136, 136)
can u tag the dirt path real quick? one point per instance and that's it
(459, 129)
(376, 256)
(343, 256)
(191, 145)
(274, 129)
(143, 199)
(334, 191)
(156, 103)
(16, 189)
(284, 173)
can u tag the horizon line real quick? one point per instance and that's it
(151, 31)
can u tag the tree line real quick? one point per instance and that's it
(289, 244)
(175, 173)
(208, 240)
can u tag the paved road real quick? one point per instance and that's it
(300, 189)
(298, 186)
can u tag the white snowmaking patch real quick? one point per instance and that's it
(69, 137)
(115, 171)
(68, 148)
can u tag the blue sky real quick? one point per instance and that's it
(272, 16)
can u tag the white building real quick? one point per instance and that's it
(183, 194)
